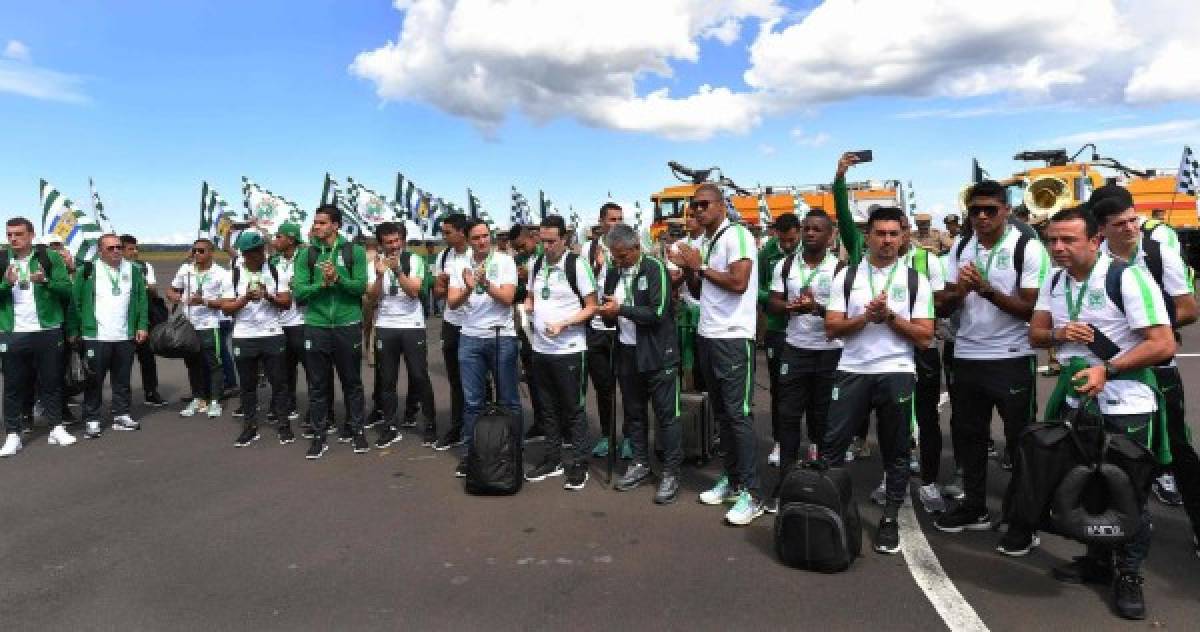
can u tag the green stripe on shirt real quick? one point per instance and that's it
(1147, 297)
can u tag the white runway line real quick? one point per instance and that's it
(931, 578)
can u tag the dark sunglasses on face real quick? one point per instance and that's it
(199, 251)
(987, 210)
(112, 248)
(698, 205)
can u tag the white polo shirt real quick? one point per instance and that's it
(876, 348)
(258, 319)
(725, 314)
(986, 332)
(112, 308)
(451, 262)
(807, 331)
(584, 253)
(1175, 281)
(209, 285)
(555, 301)
(1143, 308)
(481, 312)
(396, 309)
(293, 316)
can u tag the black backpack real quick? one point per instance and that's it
(1112, 284)
(237, 276)
(495, 465)
(569, 266)
(818, 527)
(852, 272)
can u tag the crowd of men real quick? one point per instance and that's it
(853, 316)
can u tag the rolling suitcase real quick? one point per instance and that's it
(699, 429)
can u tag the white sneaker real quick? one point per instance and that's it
(196, 406)
(12, 444)
(125, 422)
(93, 430)
(214, 409)
(745, 510)
(931, 498)
(773, 458)
(879, 494)
(722, 492)
(60, 436)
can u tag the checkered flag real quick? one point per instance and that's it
(521, 212)
(764, 211)
(1187, 181)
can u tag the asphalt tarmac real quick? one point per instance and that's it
(172, 528)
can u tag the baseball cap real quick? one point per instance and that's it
(249, 240)
(291, 229)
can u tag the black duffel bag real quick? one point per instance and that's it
(175, 338)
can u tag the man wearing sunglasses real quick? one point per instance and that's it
(199, 285)
(110, 295)
(993, 275)
(32, 299)
(723, 274)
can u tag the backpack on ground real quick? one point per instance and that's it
(818, 527)
(495, 465)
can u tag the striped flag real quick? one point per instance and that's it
(473, 205)
(98, 208)
(268, 209)
(80, 233)
(216, 217)
(521, 212)
(1187, 181)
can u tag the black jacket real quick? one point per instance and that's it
(651, 312)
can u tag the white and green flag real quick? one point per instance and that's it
(216, 217)
(98, 208)
(268, 209)
(79, 232)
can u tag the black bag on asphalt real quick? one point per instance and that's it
(699, 429)
(76, 377)
(818, 527)
(175, 338)
(495, 465)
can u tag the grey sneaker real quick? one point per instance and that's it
(931, 498)
(125, 422)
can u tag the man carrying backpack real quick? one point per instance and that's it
(561, 298)
(993, 276)
(394, 282)
(110, 295)
(330, 278)
(33, 291)
(254, 297)
(1111, 327)
(883, 312)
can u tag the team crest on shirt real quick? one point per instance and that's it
(1003, 260)
(491, 271)
(1095, 298)
(898, 292)
(823, 283)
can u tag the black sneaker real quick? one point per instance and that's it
(668, 490)
(239, 412)
(248, 436)
(345, 433)
(374, 419)
(544, 471)
(1084, 570)
(153, 399)
(285, 434)
(577, 477)
(887, 538)
(1018, 542)
(409, 423)
(535, 434)
(449, 440)
(429, 438)
(963, 518)
(316, 449)
(387, 437)
(1127, 596)
(360, 443)
(461, 470)
(306, 431)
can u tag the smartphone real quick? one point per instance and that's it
(864, 155)
(1102, 345)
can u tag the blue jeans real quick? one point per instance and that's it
(228, 366)
(477, 358)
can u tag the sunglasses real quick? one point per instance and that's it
(111, 248)
(698, 205)
(987, 210)
(199, 251)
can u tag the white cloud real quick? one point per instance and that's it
(809, 140)
(1169, 131)
(767, 149)
(17, 51)
(18, 75)
(1173, 74)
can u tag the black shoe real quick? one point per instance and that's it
(238, 412)
(1127, 596)
(316, 449)
(360, 443)
(153, 399)
(429, 438)
(577, 477)
(285, 434)
(668, 490)
(68, 417)
(409, 423)
(387, 437)
(634, 475)
(1018, 542)
(449, 440)
(345, 433)
(461, 470)
(964, 518)
(306, 431)
(249, 435)
(887, 538)
(544, 471)
(535, 434)
(1084, 570)
(374, 419)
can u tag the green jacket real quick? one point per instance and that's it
(770, 255)
(85, 302)
(50, 298)
(339, 304)
(851, 236)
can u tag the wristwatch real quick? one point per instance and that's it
(1110, 371)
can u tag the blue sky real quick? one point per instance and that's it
(150, 98)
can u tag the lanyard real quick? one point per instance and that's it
(23, 271)
(887, 285)
(1073, 307)
(992, 255)
(550, 270)
(625, 280)
(200, 279)
(817, 268)
(114, 279)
